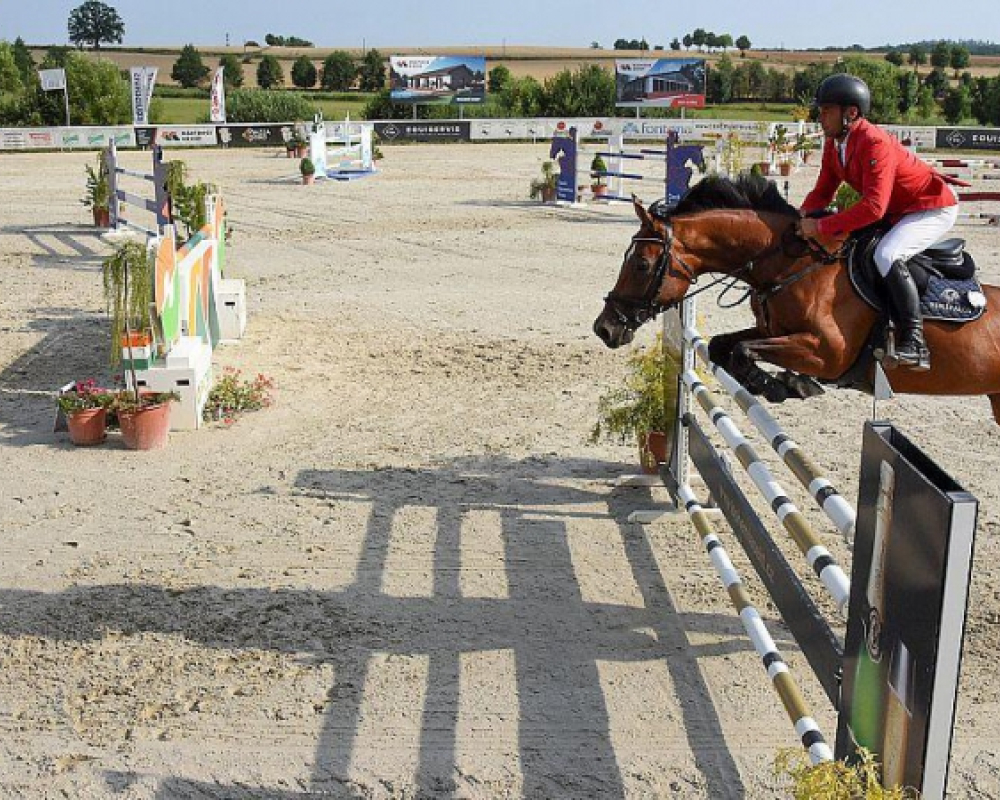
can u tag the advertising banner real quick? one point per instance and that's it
(92, 138)
(250, 135)
(968, 139)
(437, 80)
(424, 131)
(673, 82)
(177, 136)
(217, 107)
(909, 593)
(143, 81)
(52, 79)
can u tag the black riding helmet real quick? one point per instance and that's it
(845, 90)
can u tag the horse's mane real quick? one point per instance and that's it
(748, 191)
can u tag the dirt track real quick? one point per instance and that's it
(413, 576)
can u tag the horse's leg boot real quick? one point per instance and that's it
(911, 348)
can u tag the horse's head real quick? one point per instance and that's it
(651, 279)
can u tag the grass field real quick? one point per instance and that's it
(191, 110)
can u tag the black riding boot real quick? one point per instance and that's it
(911, 349)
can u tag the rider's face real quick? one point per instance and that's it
(831, 119)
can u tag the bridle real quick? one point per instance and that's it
(633, 313)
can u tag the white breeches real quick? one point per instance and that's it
(913, 233)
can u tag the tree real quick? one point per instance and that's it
(269, 73)
(957, 104)
(719, 86)
(98, 94)
(93, 23)
(959, 58)
(743, 44)
(372, 72)
(304, 72)
(941, 55)
(917, 56)
(589, 91)
(894, 57)
(499, 77)
(688, 41)
(189, 70)
(937, 81)
(909, 87)
(232, 75)
(674, 44)
(10, 76)
(22, 57)
(698, 37)
(339, 72)
(725, 41)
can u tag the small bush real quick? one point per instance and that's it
(232, 396)
(259, 105)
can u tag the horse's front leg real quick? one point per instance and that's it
(796, 353)
(721, 346)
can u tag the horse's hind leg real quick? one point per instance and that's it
(995, 404)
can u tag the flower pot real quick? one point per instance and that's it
(549, 195)
(102, 217)
(308, 180)
(764, 167)
(302, 151)
(145, 428)
(785, 168)
(653, 447)
(599, 190)
(88, 426)
(290, 152)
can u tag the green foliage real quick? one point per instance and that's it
(84, 395)
(959, 59)
(98, 94)
(647, 401)
(589, 91)
(937, 82)
(883, 82)
(957, 104)
(372, 72)
(286, 41)
(187, 201)
(845, 198)
(545, 184)
(98, 193)
(835, 780)
(232, 395)
(93, 23)
(23, 59)
(499, 77)
(307, 167)
(304, 73)
(894, 57)
(256, 105)
(339, 71)
(597, 168)
(11, 81)
(189, 70)
(232, 75)
(127, 276)
(742, 44)
(269, 73)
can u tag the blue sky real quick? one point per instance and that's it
(388, 23)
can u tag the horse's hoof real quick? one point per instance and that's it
(801, 386)
(775, 392)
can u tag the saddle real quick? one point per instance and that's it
(944, 274)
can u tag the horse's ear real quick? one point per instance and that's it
(640, 210)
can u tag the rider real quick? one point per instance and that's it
(895, 185)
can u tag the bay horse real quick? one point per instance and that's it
(809, 319)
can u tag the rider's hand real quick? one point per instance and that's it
(808, 228)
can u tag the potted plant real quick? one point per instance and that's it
(308, 170)
(804, 145)
(98, 195)
(780, 149)
(598, 169)
(86, 409)
(128, 275)
(144, 417)
(544, 188)
(645, 407)
(297, 145)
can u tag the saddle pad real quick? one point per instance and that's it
(945, 299)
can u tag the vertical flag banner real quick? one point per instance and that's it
(143, 80)
(218, 101)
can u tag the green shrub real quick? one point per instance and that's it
(259, 105)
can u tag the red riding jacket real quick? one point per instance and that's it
(892, 181)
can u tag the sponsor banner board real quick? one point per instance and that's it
(249, 135)
(94, 137)
(177, 136)
(424, 131)
(669, 82)
(437, 80)
(968, 139)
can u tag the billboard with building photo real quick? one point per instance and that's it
(677, 82)
(437, 80)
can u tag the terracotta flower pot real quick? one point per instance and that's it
(765, 167)
(653, 447)
(88, 426)
(102, 217)
(308, 180)
(785, 168)
(145, 428)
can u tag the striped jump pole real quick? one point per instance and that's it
(832, 576)
(823, 492)
(777, 669)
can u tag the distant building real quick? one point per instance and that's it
(657, 85)
(449, 79)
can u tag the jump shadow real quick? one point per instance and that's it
(564, 735)
(73, 346)
(62, 244)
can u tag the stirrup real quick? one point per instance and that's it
(918, 361)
